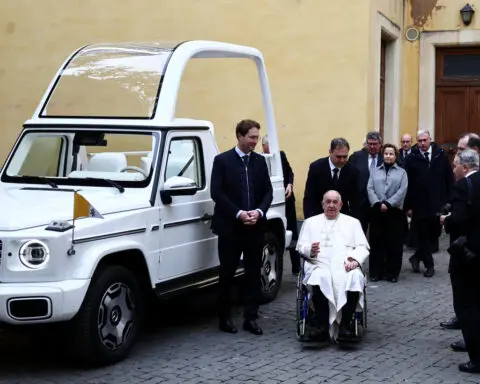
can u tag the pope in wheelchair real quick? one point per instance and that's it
(334, 248)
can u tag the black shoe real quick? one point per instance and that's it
(344, 332)
(429, 272)
(392, 279)
(469, 367)
(374, 278)
(252, 327)
(453, 323)
(226, 325)
(319, 334)
(415, 265)
(458, 346)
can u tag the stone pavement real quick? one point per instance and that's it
(403, 344)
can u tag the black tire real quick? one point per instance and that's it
(271, 285)
(114, 295)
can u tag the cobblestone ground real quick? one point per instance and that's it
(403, 344)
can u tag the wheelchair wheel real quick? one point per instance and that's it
(364, 320)
(302, 309)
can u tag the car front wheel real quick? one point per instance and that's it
(106, 327)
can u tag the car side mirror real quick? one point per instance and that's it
(177, 186)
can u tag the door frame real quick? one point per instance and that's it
(391, 33)
(429, 42)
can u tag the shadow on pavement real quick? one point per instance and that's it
(41, 349)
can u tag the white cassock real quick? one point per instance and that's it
(339, 239)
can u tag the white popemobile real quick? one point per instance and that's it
(105, 135)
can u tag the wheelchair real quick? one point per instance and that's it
(305, 312)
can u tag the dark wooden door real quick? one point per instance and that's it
(457, 96)
(474, 109)
(451, 113)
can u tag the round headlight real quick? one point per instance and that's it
(34, 254)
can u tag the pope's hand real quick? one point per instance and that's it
(351, 264)
(315, 249)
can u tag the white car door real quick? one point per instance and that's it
(187, 245)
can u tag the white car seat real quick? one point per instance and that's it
(107, 162)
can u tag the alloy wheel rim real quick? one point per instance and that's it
(116, 316)
(269, 267)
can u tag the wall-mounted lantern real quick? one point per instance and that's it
(467, 14)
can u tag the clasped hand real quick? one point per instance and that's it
(351, 264)
(249, 217)
(443, 217)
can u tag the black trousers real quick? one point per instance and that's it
(291, 215)
(249, 240)
(320, 303)
(365, 217)
(467, 305)
(427, 230)
(386, 242)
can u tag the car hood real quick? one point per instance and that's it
(27, 208)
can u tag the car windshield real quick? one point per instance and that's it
(109, 81)
(83, 157)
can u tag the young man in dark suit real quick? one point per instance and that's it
(242, 192)
(365, 160)
(464, 270)
(332, 173)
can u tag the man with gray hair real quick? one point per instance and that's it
(464, 165)
(465, 142)
(430, 181)
(365, 160)
(464, 254)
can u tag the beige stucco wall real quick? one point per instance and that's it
(426, 15)
(391, 12)
(316, 53)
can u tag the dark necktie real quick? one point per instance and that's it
(335, 176)
(245, 160)
(373, 163)
(426, 156)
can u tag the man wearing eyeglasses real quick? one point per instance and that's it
(406, 149)
(332, 173)
(366, 160)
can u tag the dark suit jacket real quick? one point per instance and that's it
(464, 217)
(360, 160)
(226, 189)
(429, 183)
(319, 181)
(290, 210)
(287, 172)
(401, 158)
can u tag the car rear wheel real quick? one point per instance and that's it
(272, 268)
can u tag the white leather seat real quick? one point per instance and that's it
(146, 162)
(107, 162)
